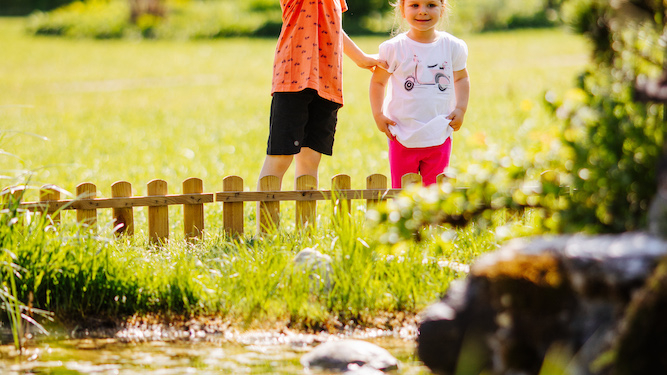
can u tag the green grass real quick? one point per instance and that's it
(141, 110)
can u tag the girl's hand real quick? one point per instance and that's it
(383, 123)
(456, 118)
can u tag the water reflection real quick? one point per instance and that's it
(248, 355)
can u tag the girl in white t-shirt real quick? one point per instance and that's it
(427, 88)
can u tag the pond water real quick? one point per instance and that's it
(258, 353)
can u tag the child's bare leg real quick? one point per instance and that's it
(275, 165)
(307, 162)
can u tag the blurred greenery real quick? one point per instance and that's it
(613, 141)
(24, 7)
(194, 19)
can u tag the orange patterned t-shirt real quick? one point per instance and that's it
(310, 48)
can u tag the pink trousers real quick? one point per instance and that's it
(429, 162)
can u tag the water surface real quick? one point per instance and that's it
(246, 354)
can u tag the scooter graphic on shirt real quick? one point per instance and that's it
(439, 79)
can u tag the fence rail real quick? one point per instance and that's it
(193, 199)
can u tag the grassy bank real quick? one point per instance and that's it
(137, 111)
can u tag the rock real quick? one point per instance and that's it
(317, 265)
(640, 347)
(657, 215)
(532, 296)
(363, 370)
(357, 356)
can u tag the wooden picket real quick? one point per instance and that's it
(233, 211)
(268, 198)
(50, 193)
(123, 216)
(84, 216)
(158, 215)
(193, 213)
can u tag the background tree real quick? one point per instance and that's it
(614, 135)
(23, 7)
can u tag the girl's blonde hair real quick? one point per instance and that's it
(399, 27)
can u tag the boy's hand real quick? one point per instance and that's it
(456, 118)
(383, 123)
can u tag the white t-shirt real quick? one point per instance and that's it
(421, 87)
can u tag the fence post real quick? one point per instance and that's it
(306, 211)
(268, 213)
(410, 179)
(375, 181)
(193, 214)
(341, 182)
(158, 216)
(50, 193)
(13, 194)
(232, 212)
(123, 217)
(86, 217)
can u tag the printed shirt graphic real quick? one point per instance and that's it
(309, 53)
(421, 87)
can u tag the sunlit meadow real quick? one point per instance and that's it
(75, 111)
(140, 110)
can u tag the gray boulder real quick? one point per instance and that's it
(352, 356)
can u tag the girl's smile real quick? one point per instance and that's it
(423, 17)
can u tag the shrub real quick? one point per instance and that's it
(23, 7)
(98, 19)
(193, 19)
(183, 20)
(488, 15)
(614, 140)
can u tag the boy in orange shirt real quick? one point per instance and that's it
(307, 85)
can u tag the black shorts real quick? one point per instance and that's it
(301, 119)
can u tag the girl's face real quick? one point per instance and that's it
(422, 15)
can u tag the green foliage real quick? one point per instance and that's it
(613, 144)
(264, 5)
(103, 19)
(98, 19)
(76, 273)
(195, 19)
(494, 184)
(216, 19)
(613, 140)
(23, 7)
(487, 15)
(15, 227)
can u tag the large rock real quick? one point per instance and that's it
(641, 347)
(566, 294)
(357, 356)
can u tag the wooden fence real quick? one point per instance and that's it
(193, 199)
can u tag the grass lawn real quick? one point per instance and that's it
(139, 110)
(75, 111)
